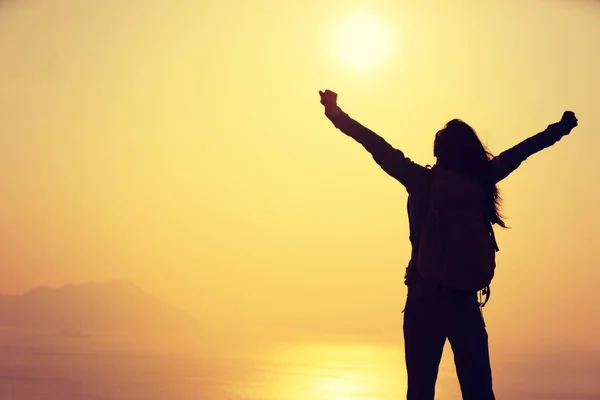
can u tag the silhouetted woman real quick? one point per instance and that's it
(435, 312)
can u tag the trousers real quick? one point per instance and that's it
(430, 317)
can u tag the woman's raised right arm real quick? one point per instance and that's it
(508, 161)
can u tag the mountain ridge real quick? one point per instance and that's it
(111, 306)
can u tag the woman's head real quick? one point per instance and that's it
(458, 148)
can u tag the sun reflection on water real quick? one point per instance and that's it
(332, 372)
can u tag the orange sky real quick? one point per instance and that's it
(182, 145)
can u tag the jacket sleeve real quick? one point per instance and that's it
(391, 160)
(508, 161)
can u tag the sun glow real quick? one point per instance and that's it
(333, 372)
(361, 41)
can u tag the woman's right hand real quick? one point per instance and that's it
(569, 120)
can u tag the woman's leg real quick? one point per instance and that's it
(469, 340)
(424, 338)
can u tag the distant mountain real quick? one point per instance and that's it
(115, 307)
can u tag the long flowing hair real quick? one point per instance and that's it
(457, 147)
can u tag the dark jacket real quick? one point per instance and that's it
(415, 177)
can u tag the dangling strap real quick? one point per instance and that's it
(485, 292)
(491, 228)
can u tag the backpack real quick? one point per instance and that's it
(457, 247)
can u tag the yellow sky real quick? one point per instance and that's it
(182, 145)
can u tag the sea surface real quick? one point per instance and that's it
(307, 371)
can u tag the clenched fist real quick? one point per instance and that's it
(569, 120)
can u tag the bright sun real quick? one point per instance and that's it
(361, 41)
